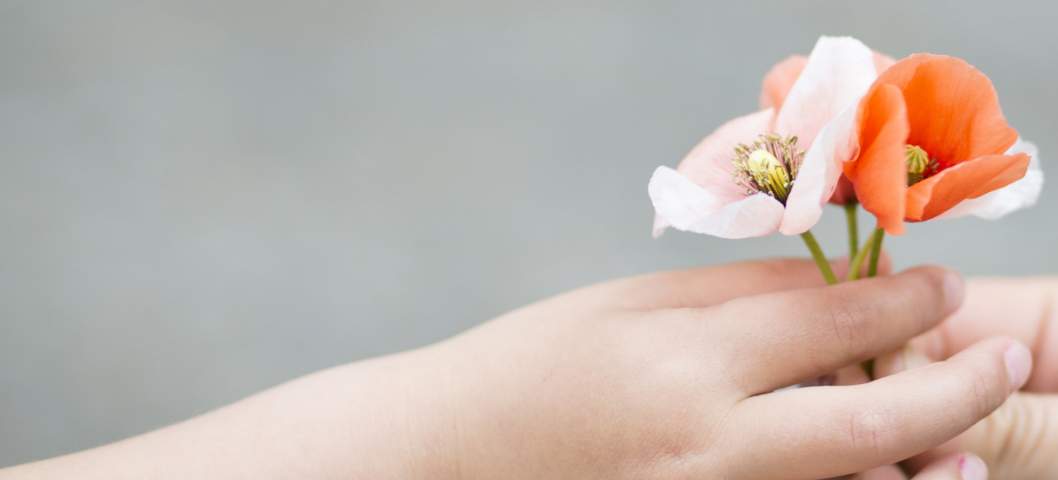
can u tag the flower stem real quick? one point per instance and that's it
(875, 240)
(819, 257)
(876, 251)
(851, 209)
(875, 246)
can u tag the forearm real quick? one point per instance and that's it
(384, 418)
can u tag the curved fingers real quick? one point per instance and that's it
(822, 432)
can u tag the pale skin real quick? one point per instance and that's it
(1020, 440)
(664, 376)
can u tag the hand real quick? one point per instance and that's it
(1020, 440)
(664, 376)
(672, 376)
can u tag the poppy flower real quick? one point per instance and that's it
(933, 141)
(775, 169)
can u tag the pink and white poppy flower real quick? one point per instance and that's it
(775, 169)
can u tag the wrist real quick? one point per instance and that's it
(404, 416)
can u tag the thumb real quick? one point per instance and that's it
(1018, 440)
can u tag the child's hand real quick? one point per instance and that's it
(1020, 440)
(672, 375)
(665, 376)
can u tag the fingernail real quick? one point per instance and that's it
(1019, 363)
(973, 468)
(953, 290)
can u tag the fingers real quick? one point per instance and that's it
(1025, 309)
(799, 334)
(700, 287)
(958, 466)
(1019, 439)
(828, 431)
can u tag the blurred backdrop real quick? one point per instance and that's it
(201, 199)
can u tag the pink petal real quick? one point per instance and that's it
(819, 173)
(709, 163)
(686, 206)
(780, 79)
(882, 62)
(1020, 194)
(838, 73)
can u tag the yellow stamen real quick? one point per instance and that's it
(769, 173)
(768, 165)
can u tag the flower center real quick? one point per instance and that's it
(768, 165)
(919, 165)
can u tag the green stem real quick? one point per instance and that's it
(876, 252)
(874, 245)
(819, 257)
(851, 209)
(857, 262)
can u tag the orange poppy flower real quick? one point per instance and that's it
(931, 136)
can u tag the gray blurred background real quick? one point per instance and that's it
(202, 199)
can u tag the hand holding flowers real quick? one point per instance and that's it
(911, 140)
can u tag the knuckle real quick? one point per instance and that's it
(985, 387)
(848, 324)
(871, 432)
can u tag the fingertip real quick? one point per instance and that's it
(1000, 363)
(954, 290)
(956, 466)
(971, 467)
(1018, 361)
(948, 283)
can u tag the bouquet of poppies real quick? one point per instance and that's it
(910, 140)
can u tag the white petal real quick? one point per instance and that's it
(1020, 194)
(709, 163)
(686, 206)
(819, 173)
(838, 73)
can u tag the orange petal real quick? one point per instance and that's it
(952, 108)
(971, 179)
(879, 173)
(780, 79)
